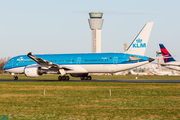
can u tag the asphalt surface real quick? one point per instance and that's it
(126, 81)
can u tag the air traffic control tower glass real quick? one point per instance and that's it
(158, 53)
(95, 15)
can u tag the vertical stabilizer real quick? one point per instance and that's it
(154, 69)
(166, 55)
(139, 44)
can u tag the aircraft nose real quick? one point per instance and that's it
(5, 66)
(151, 59)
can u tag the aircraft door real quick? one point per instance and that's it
(78, 60)
(115, 60)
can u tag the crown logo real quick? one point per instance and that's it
(139, 40)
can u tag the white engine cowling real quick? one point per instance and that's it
(33, 71)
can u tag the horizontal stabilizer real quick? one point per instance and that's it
(133, 58)
(165, 65)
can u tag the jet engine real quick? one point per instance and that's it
(33, 71)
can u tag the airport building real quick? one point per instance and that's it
(95, 23)
(158, 54)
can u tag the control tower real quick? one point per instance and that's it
(95, 23)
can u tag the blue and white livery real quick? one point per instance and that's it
(80, 65)
(139, 45)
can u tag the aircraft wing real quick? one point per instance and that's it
(170, 65)
(45, 63)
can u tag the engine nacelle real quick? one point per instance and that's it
(33, 71)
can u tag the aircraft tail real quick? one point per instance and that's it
(139, 44)
(132, 72)
(154, 69)
(166, 55)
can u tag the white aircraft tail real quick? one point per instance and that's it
(132, 72)
(154, 69)
(139, 44)
(157, 72)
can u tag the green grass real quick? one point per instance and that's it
(89, 100)
(95, 77)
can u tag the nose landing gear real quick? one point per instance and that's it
(15, 77)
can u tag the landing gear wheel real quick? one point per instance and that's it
(63, 78)
(15, 77)
(59, 78)
(89, 77)
(85, 78)
(67, 78)
(82, 78)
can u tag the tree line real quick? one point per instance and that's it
(3, 61)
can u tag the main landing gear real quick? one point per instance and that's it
(15, 77)
(63, 78)
(86, 78)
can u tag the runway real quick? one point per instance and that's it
(122, 81)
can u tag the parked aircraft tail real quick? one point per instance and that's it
(132, 72)
(166, 55)
(139, 44)
(157, 72)
(153, 69)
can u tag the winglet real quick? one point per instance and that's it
(139, 44)
(166, 55)
(30, 53)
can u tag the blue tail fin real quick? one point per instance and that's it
(167, 56)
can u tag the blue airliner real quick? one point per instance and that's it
(80, 65)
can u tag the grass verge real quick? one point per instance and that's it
(89, 100)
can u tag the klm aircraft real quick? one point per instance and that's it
(80, 65)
